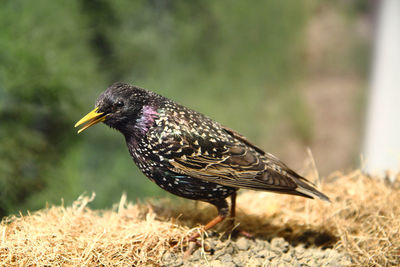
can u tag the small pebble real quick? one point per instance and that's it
(248, 252)
(296, 263)
(216, 263)
(254, 262)
(319, 254)
(229, 249)
(287, 258)
(243, 243)
(280, 245)
(276, 242)
(259, 245)
(263, 254)
(196, 255)
(238, 261)
(226, 258)
(220, 252)
(299, 250)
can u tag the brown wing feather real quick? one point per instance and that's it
(236, 163)
(242, 138)
(233, 164)
(278, 171)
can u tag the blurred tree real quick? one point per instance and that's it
(100, 17)
(45, 61)
(206, 52)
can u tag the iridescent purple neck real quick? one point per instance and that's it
(146, 119)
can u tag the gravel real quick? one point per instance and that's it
(248, 252)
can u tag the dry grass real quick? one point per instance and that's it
(77, 235)
(363, 221)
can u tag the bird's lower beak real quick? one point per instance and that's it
(91, 119)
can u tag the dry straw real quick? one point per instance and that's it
(362, 221)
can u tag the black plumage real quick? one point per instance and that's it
(188, 154)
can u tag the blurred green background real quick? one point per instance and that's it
(253, 66)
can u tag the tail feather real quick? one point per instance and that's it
(307, 189)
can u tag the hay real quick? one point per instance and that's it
(363, 221)
(78, 236)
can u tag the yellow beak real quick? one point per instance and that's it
(91, 119)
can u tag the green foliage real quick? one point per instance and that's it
(233, 61)
(45, 63)
(211, 52)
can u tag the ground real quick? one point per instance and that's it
(359, 228)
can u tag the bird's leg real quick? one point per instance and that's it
(232, 214)
(222, 207)
(232, 218)
(233, 208)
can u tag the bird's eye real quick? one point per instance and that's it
(119, 104)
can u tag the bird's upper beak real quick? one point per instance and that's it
(91, 119)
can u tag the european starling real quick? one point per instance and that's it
(190, 155)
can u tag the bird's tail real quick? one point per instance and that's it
(307, 189)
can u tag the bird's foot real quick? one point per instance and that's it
(193, 238)
(243, 233)
(192, 246)
(233, 230)
(194, 243)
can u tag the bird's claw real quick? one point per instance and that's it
(194, 243)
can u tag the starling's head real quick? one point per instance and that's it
(118, 106)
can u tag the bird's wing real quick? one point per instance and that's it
(233, 162)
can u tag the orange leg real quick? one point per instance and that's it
(222, 207)
(208, 226)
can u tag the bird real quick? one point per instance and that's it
(189, 154)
